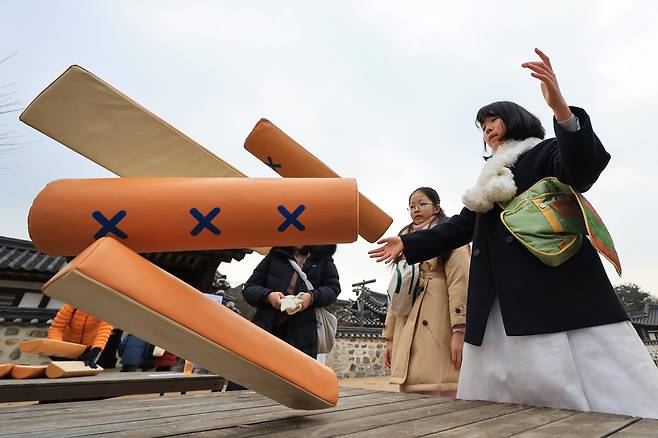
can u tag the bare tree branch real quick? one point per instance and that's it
(8, 57)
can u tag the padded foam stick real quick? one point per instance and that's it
(186, 214)
(52, 347)
(28, 371)
(72, 368)
(5, 369)
(289, 159)
(89, 116)
(119, 286)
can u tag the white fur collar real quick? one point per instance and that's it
(496, 181)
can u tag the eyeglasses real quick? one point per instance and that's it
(419, 206)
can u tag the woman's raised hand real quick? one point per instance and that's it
(543, 70)
(389, 252)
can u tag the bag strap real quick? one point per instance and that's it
(301, 274)
(413, 279)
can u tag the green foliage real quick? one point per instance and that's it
(633, 298)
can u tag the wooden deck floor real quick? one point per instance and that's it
(360, 412)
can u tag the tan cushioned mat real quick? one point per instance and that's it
(119, 286)
(73, 368)
(289, 159)
(28, 371)
(5, 369)
(96, 120)
(52, 347)
(186, 214)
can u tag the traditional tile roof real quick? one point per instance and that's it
(358, 332)
(26, 315)
(648, 316)
(193, 258)
(19, 258)
(363, 317)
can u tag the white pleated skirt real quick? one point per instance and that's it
(605, 368)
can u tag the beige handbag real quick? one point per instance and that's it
(327, 323)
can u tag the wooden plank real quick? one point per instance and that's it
(121, 404)
(507, 425)
(424, 423)
(128, 403)
(203, 421)
(59, 408)
(89, 387)
(322, 424)
(643, 428)
(118, 420)
(196, 423)
(84, 413)
(94, 414)
(361, 419)
(581, 425)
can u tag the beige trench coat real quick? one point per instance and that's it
(421, 340)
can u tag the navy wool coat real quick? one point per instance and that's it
(534, 298)
(274, 273)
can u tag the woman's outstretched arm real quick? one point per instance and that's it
(427, 244)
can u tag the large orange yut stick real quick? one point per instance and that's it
(289, 159)
(187, 214)
(116, 284)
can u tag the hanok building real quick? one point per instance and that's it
(26, 313)
(646, 324)
(359, 348)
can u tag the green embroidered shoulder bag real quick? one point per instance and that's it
(550, 220)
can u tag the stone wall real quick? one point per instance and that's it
(358, 357)
(13, 334)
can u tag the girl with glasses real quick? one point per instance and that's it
(424, 348)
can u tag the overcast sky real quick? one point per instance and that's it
(383, 91)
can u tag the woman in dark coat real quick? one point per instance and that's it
(274, 278)
(536, 334)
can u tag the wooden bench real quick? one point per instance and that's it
(105, 385)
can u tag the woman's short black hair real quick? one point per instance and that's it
(519, 122)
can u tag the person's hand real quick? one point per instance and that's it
(388, 353)
(307, 300)
(90, 357)
(543, 70)
(389, 252)
(274, 298)
(456, 348)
